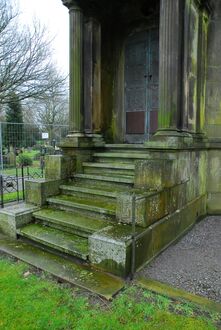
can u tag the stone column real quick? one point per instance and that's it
(76, 117)
(170, 77)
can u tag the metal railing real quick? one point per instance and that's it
(12, 187)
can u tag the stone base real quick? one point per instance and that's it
(110, 249)
(82, 140)
(174, 139)
(37, 191)
(14, 217)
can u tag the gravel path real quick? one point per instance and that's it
(194, 263)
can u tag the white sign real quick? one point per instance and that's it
(45, 136)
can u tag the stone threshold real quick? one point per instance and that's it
(178, 294)
(81, 275)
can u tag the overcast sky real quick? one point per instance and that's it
(54, 15)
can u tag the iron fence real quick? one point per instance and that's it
(12, 187)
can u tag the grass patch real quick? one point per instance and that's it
(10, 197)
(33, 301)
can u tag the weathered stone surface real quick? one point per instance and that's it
(109, 250)
(167, 230)
(214, 203)
(58, 167)
(14, 217)
(214, 171)
(37, 191)
(155, 174)
(148, 207)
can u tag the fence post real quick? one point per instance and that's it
(1, 191)
(17, 182)
(23, 182)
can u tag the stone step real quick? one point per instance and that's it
(127, 179)
(109, 168)
(75, 190)
(81, 275)
(56, 239)
(125, 148)
(106, 189)
(122, 166)
(92, 207)
(120, 157)
(72, 223)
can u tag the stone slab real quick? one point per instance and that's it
(70, 220)
(178, 294)
(83, 276)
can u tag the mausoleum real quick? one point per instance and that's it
(142, 160)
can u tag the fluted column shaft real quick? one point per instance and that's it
(170, 77)
(76, 117)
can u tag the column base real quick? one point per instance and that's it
(176, 139)
(82, 140)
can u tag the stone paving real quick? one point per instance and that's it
(193, 263)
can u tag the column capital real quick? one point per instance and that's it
(71, 4)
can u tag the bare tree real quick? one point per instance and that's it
(51, 107)
(25, 57)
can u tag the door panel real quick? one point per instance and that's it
(141, 85)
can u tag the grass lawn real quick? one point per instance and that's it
(30, 299)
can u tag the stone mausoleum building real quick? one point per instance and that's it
(142, 161)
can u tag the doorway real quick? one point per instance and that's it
(141, 85)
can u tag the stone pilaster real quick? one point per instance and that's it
(170, 89)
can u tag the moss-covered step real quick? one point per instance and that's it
(84, 191)
(109, 168)
(82, 276)
(56, 239)
(126, 148)
(127, 179)
(120, 157)
(67, 221)
(89, 206)
(94, 188)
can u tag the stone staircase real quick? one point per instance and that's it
(86, 204)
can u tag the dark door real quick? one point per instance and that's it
(141, 85)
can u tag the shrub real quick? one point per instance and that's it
(24, 160)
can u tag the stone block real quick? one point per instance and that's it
(110, 250)
(14, 217)
(37, 191)
(58, 167)
(148, 208)
(124, 207)
(170, 228)
(155, 174)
